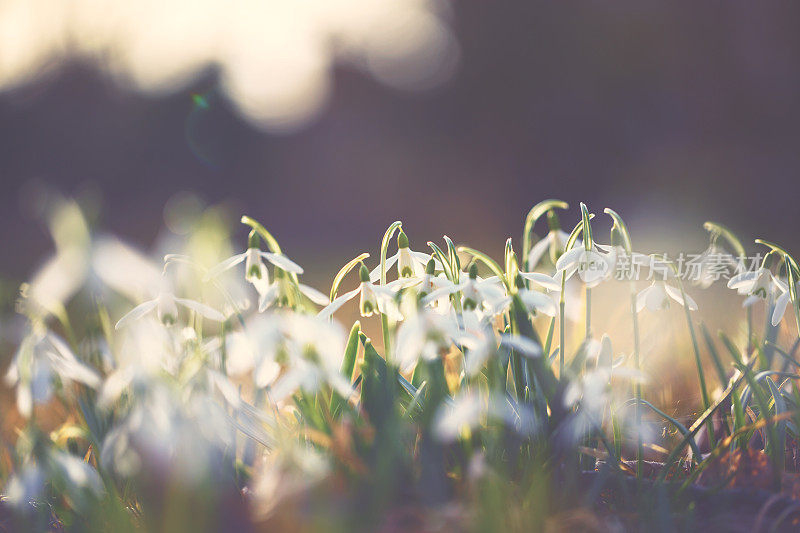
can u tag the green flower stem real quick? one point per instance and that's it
(588, 312)
(637, 386)
(703, 388)
(561, 328)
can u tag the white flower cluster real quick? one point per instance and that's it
(194, 366)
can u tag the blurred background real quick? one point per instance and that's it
(328, 119)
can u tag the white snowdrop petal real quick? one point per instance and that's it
(780, 308)
(538, 251)
(313, 294)
(641, 298)
(543, 280)
(225, 265)
(208, 312)
(570, 257)
(375, 274)
(338, 302)
(282, 262)
(521, 344)
(136, 313)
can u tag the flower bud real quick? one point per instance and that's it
(473, 271)
(253, 240)
(430, 267)
(402, 240)
(363, 273)
(552, 221)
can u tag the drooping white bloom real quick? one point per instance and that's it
(554, 241)
(424, 334)
(590, 394)
(761, 284)
(282, 292)
(311, 351)
(161, 423)
(623, 264)
(591, 265)
(471, 410)
(487, 295)
(658, 295)
(166, 308)
(537, 301)
(758, 284)
(409, 263)
(253, 263)
(781, 302)
(710, 265)
(256, 273)
(255, 348)
(373, 298)
(42, 359)
(542, 280)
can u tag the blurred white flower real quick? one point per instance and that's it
(160, 425)
(42, 359)
(781, 302)
(282, 292)
(657, 296)
(554, 241)
(710, 265)
(166, 308)
(470, 410)
(758, 284)
(311, 351)
(423, 335)
(25, 486)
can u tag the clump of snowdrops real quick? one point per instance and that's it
(204, 395)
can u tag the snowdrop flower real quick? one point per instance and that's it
(409, 263)
(591, 265)
(469, 411)
(78, 474)
(254, 270)
(536, 301)
(482, 345)
(311, 350)
(555, 241)
(622, 263)
(433, 290)
(781, 302)
(600, 351)
(41, 360)
(373, 298)
(424, 334)
(25, 486)
(162, 423)
(282, 292)
(758, 284)
(657, 296)
(711, 264)
(166, 308)
(255, 349)
(485, 294)
(542, 280)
